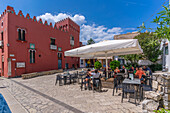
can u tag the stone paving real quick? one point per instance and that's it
(40, 95)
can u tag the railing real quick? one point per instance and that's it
(53, 47)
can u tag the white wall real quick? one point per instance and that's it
(168, 57)
(82, 65)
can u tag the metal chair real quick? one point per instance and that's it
(97, 85)
(117, 84)
(146, 87)
(80, 76)
(83, 83)
(59, 78)
(129, 89)
(74, 77)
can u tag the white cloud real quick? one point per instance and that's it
(79, 19)
(96, 32)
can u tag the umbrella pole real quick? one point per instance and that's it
(106, 66)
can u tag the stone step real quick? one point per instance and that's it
(31, 75)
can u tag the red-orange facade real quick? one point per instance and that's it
(30, 45)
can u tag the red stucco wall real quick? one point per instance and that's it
(38, 34)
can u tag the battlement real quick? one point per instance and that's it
(68, 25)
(58, 25)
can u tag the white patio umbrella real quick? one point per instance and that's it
(106, 49)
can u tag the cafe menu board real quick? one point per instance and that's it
(20, 64)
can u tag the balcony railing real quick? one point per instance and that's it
(53, 47)
(1, 44)
(72, 42)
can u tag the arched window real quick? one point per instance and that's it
(32, 56)
(2, 24)
(71, 40)
(21, 34)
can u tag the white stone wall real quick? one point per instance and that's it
(168, 58)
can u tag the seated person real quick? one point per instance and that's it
(131, 70)
(136, 70)
(96, 76)
(117, 70)
(123, 69)
(140, 74)
(88, 74)
(147, 69)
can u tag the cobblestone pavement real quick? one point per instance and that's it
(40, 95)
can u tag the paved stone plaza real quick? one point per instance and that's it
(40, 95)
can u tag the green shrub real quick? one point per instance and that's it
(129, 65)
(162, 110)
(97, 65)
(114, 64)
(155, 67)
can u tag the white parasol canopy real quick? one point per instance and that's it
(106, 49)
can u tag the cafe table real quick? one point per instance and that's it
(65, 75)
(135, 82)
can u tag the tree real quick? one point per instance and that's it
(114, 64)
(163, 24)
(150, 45)
(90, 41)
(151, 49)
(134, 58)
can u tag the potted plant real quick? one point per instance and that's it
(97, 65)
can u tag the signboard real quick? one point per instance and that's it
(53, 47)
(20, 64)
(11, 55)
(59, 48)
(13, 59)
(32, 46)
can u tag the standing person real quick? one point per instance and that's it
(109, 72)
(140, 74)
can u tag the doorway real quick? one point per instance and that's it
(59, 60)
(59, 63)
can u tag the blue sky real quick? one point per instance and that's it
(98, 19)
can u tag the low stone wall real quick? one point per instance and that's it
(107, 83)
(160, 96)
(31, 75)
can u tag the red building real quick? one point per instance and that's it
(29, 45)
